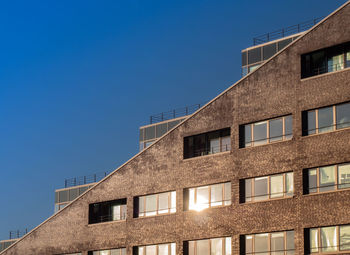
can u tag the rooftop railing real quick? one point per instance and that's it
(301, 27)
(176, 113)
(17, 233)
(86, 179)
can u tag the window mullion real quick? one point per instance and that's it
(336, 177)
(253, 189)
(209, 198)
(283, 128)
(334, 119)
(318, 179)
(252, 134)
(268, 131)
(316, 119)
(269, 187)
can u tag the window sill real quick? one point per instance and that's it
(104, 223)
(209, 155)
(254, 146)
(267, 200)
(155, 216)
(324, 74)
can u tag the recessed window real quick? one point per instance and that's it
(214, 246)
(155, 204)
(267, 187)
(121, 251)
(326, 119)
(326, 60)
(269, 243)
(268, 131)
(157, 249)
(107, 211)
(327, 178)
(328, 239)
(207, 143)
(203, 197)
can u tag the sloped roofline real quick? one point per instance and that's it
(189, 117)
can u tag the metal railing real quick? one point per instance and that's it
(109, 217)
(211, 150)
(330, 68)
(326, 129)
(17, 233)
(86, 179)
(176, 113)
(286, 31)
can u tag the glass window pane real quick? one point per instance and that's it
(173, 249)
(216, 195)
(344, 238)
(290, 242)
(312, 180)
(276, 187)
(214, 145)
(141, 250)
(288, 127)
(314, 240)
(163, 203)
(227, 193)
(248, 190)
(151, 205)
(344, 176)
(311, 122)
(106, 252)
(329, 239)
(327, 178)
(116, 252)
(325, 119)
(260, 188)
(248, 244)
(276, 130)
(225, 143)
(277, 243)
(123, 251)
(260, 133)
(192, 201)
(173, 202)
(261, 244)
(141, 206)
(343, 115)
(336, 62)
(289, 184)
(203, 247)
(216, 246)
(163, 249)
(116, 212)
(228, 249)
(248, 135)
(191, 245)
(151, 250)
(202, 198)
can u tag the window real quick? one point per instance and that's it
(267, 187)
(207, 143)
(107, 211)
(157, 249)
(326, 119)
(268, 131)
(79, 253)
(214, 246)
(329, 239)
(327, 178)
(278, 243)
(326, 60)
(203, 197)
(121, 251)
(156, 204)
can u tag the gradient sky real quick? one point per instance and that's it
(78, 78)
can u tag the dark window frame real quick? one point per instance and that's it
(102, 211)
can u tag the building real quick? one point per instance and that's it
(277, 182)
(14, 236)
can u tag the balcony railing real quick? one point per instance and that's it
(212, 150)
(86, 179)
(176, 113)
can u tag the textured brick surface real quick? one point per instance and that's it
(273, 90)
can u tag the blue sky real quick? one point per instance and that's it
(77, 79)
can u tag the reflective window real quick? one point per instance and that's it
(215, 246)
(209, 196)
(329, 239)
(157, 249)
(270, 243)
(121, 251)
(328, 178)
(268, 131)
(157, 204)
(326, 119)
(269, 187)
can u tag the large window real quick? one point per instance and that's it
(157, 249)
(107, 211)
(328, 239)
(326, 60)
(278, 243)
(327, 178)
(268, 131)
(121, 251)
(214, 246)
(326, 119)
(203, 197)
(156, 204)
(267, 187)
(207, 143)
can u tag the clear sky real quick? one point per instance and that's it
(78, 78)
